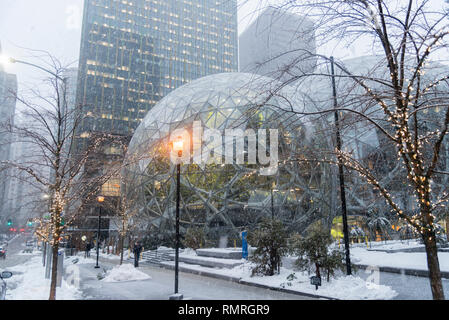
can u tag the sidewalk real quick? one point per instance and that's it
(216, 275)
(171, 266)
(408, 263)
(288, 281)
(160, 286)
(406, 271)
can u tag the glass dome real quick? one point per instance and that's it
(223, 198)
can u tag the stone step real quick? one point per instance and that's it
(225, 253)
(209, 261)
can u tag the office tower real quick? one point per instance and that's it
(22, 195)
(8, 88)
(134, 52)
(278, 44)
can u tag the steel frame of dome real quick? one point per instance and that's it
(224, 199)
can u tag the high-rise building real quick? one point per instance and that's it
(23, 195)
(8, 87)
(134, 52)
(278, 44)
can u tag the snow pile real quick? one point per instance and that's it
(344, 287)
(125, 272)
(355, 288)
(28, 283)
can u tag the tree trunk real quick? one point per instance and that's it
(54, 271)
(433, 266)
(317, 266)
(122, 244)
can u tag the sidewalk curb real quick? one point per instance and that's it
(243, 282)
(409, 272)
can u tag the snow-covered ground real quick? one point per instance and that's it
(125, 272)
(109, 256)
(393, 245)
(28, 283)
(400, 260)
(343, 287)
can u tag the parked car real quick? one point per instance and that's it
(3, 252)
(4, 275)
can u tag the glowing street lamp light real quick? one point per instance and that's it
(6, 60)
(178, 146)
(100, 199)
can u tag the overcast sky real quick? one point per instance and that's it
(55, 26)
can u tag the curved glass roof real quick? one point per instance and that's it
(222, 194)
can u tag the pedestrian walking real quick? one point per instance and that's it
(137, 250)
(88, 247)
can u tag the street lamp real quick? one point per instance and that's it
(178, 146)
(4, 60)
(341, 174)
(100, 199)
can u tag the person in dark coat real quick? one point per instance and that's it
(137, 250)
(88, 247)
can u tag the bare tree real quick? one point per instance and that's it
(54, 164)
(401, 92)
(123, 209)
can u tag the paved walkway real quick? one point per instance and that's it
(161, 286)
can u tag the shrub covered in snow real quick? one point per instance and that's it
(315, 252)
(194, 238)
(270, 239)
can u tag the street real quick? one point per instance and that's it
(14, 255)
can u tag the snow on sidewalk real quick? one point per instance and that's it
(28, 283)
(400, 260)
(125, 272)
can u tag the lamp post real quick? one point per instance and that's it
(272, 202)
(4, 59)
(341, 175)
(178, 146)
(100, 199)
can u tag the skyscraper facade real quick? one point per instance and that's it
(278, 44)
(134, 52)
(8, 88)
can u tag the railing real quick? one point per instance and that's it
(159, 255)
